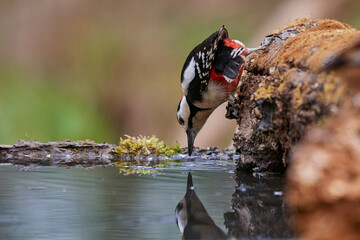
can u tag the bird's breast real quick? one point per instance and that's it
(216, 93)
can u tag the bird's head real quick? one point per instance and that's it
(181, 210)
(192, 119)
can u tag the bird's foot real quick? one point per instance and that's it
(264, 44)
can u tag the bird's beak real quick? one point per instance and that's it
(190, 185)
(190, 137)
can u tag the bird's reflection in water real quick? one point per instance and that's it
(259, 212)
(192, 218)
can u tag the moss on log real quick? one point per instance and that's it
(284, 91)
(129, 156)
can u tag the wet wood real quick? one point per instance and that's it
(60, 154)
(285, 90)
(89, 154)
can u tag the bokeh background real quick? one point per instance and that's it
(87, 69)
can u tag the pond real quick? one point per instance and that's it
(101, 203)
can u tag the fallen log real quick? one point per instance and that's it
(324, 175)
(59, 154)
(131, 151)
(284, 91)
(32, 154)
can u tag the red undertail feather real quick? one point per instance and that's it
(230, 87)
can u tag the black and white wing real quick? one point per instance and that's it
(196, 71)
(228, 62)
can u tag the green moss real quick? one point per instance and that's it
(333, 89)
(298, 96)
(264, 92)
(145, 145)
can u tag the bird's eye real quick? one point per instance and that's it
(181, 121)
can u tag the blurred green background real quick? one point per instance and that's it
(86, 69)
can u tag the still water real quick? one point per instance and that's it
(101, 203)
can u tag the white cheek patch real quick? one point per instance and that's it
(182, 217)
(184, 111)
(189, 75)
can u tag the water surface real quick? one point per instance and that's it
(100, 203)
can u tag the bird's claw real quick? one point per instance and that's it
(267, 41)
(264, 44)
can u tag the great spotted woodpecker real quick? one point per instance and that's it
(209, 77)
(193, 220)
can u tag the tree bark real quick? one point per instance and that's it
(284, 91)
(324, 176)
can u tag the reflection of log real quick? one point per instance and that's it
(284, 90)
(259, 210)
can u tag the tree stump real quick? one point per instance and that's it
(284, 90)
